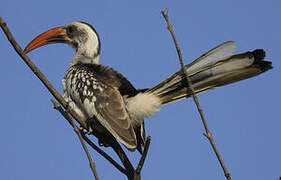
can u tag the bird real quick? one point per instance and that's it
(112, 107)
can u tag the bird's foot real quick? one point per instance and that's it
(102, 143)
(84, 130)
(90, 130)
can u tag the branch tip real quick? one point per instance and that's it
(56, 104)
(204, 134)
(144, 154)
(165, 12)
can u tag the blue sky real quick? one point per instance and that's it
(37, 143)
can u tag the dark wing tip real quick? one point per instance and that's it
(259, 55)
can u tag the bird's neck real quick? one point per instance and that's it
(87, 53)
(85, 59)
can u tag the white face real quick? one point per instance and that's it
(84, 39)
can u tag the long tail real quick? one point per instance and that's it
(216, 68)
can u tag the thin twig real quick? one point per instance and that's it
(92, 164)
(145, 150)
(96, 148)
(208, 133)
(106, 156)
(130, 171)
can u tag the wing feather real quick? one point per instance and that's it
(112, 114)
(220, 52)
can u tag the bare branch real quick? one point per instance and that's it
(106, 156)
(68, 117)
(189, 84)
(145, 151)
(130, 171)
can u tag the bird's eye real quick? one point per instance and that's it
(70, 29)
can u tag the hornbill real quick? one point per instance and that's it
(113, 107)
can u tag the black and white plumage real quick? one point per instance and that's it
(98, 94)
(113, 107)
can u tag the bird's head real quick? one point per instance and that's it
(79, 35)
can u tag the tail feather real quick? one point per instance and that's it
(209, 75)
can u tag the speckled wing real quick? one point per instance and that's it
(93, 96)
(112, 114)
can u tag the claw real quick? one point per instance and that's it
(90, 131)
(102, 143)
(83, 129)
